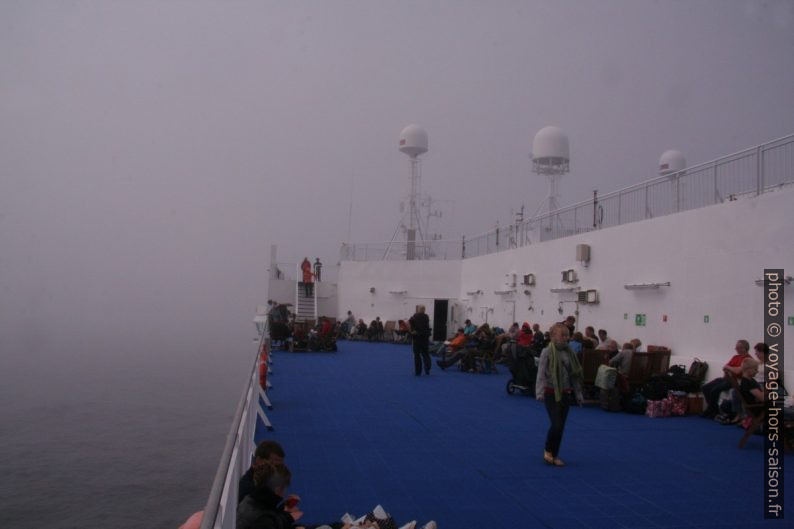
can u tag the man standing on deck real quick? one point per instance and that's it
(318, 269)
(420, 333)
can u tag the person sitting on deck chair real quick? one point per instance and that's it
(469, 328)
(375, 331)
(610, 347)
(402, 331)
(712, 390)
(503, 342)
(350, 324)
(454, 347)
(265, 451)
(265, 507)
(539, 341)
(749, 387)
(478, 347)
(361, 330)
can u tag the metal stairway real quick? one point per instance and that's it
(305, 306)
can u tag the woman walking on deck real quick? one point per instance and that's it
(559, 381)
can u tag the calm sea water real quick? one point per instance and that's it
(113, 434)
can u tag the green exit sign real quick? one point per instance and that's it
(791, 320)
(639, 320)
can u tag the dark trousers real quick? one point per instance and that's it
(308, 288)
(558, 412)
(421, 354)
(712, 390)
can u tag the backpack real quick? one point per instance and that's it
(698, 370)
(637, 404)
(676, 370)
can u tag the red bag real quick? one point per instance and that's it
(678, 402)
(658, 408)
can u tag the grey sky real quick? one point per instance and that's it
(152, 151)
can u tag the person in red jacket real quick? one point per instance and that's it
(308, 281)
(712, 390)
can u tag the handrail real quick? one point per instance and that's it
(232, 442)
(754, 170)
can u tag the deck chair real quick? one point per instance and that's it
(388, 330)
(756, 411)
(591, 360)
(660, 359)
(639, 370)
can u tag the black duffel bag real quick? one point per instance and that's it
(684, 382)
(657, 387)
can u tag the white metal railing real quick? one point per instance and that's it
(292, 272)
(752, 171)
(221, 508)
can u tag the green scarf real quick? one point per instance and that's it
(555, 366)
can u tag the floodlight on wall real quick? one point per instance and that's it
(761, 282)
(529, 280)
(474, 293)
(371, 290)
(528, 292)
(646, 286)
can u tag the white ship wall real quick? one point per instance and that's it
(418, 283)
(711, 256)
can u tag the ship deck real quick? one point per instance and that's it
(360, 429)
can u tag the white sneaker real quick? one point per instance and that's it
(379, 513)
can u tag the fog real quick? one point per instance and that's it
(151, 152)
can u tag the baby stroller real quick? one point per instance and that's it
(524, 371)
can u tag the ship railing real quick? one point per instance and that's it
(292, 272)
(749, 172)
(221, 508)
(437, 249)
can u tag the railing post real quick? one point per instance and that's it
(759, 170)
(647, 209)
(716, 188)
(575, 226)
(463, 248)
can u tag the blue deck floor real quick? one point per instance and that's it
(360, 429)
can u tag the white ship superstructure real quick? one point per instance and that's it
(676, 261)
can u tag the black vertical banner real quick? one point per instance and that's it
(773, 385)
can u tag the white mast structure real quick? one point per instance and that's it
(672, 164)
(550, 157)
(413, 142)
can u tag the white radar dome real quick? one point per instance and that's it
(413, 140)
(671, 162)
(550, 151)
